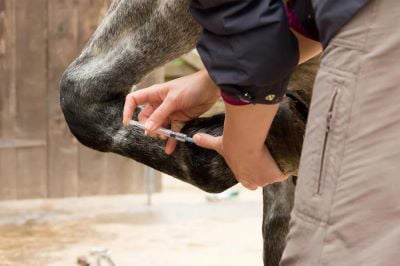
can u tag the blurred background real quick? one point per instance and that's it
(61, 201)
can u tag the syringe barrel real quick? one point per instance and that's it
(169, 133)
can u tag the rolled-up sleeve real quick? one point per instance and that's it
(247, 47)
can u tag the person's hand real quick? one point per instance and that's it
(242, 145)
(252, 171)
(178, 100)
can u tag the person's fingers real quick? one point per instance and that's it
(129, 109)
(180, 116)
(136, 98)
(143, 116)
(261, 182)
(273, 172)
(280, 177)
(170, 146)
(247, 184)
(208, 142)
(160, 115)
(275, 177)
(161, 136)
(171, 142)
(146, 113)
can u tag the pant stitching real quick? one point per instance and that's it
(337, 71)
(348, 44)
(308, 218)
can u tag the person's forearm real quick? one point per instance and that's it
(246, 127)
(308, 48)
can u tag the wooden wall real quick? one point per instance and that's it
(39, 157)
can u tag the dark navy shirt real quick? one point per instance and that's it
(248, 48)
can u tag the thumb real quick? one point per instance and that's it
(208, 142)
(160, 115)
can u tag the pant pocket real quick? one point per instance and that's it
(330, 117)
(324, 143)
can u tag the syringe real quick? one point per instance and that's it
(165, 132)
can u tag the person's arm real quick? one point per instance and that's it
(245, 131)
(308, 48)
(242, 145)
(302, 23)
(247, 47)
(250, 52)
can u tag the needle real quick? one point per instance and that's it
(165, 132)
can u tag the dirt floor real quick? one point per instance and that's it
(181, 228)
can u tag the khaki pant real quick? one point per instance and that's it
(347, 203)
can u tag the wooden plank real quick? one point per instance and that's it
(92, 172)
(3, 62)
(91, 13)
(62, 147)
(8, 167)
(31, 84)
(21, 143)
(4, 77)
(92, 164)
(124, 176)
(7, 69)
(31, 173)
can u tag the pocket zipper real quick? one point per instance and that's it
(325, 143)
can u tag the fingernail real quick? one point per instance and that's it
(146, 132)
(150, 126)
(197, 138)
(126, 124)
(168, 151)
